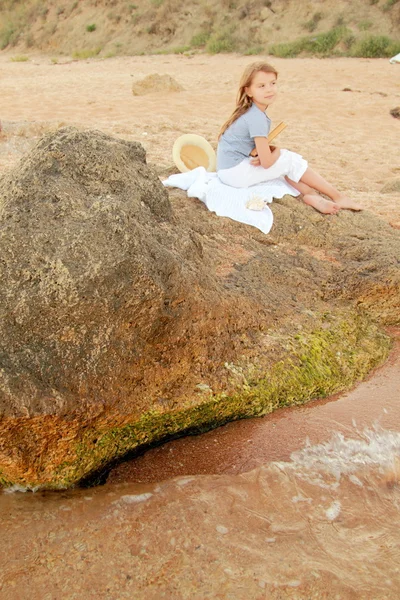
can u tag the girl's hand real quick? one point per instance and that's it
(255, 153)
(255, 161)
(267, 154)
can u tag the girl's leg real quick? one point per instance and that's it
(246, 174)
(301, 187)
(317, 182)
(321, 204)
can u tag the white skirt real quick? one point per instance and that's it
(245, 174)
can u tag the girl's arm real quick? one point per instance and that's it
(266, 157)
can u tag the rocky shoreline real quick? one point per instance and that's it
(130, 316)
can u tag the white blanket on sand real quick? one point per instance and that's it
(227, 201)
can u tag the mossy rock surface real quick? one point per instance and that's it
(129, 315)
(320, 363)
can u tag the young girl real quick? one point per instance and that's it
(248, 127)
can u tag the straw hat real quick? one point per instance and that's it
(191, 151)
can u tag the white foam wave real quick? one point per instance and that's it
(13, 489)
(340, 456)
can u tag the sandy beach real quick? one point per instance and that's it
(337, 111)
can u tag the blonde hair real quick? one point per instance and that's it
(243, 101)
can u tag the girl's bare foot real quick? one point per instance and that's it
(326, 207)
(347, 203)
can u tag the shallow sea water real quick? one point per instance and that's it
(321, 522)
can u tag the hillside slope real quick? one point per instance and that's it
(110, 27)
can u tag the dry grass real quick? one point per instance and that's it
(87, 30)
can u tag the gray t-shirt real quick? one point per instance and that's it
(237, 141)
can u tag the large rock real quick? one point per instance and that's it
(391, 187)
(127, 317)
(154, 83)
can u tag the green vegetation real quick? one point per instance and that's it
(35, 22)
(364, 25)
(321, 44)
(181, 49)
(338, 41)
(8, 35)
(200, 39)
(89, 53)
(389, 4)
(4, 482)
(348, 41)
(312, 24)
(19, 58)
(177, 50)
(221, 41)
(16, 18)
(254, 50)
(339, 21)
(375, 46)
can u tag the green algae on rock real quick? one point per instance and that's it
(320, 363)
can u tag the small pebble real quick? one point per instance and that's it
(221, 529)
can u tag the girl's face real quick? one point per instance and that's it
(262, 89)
